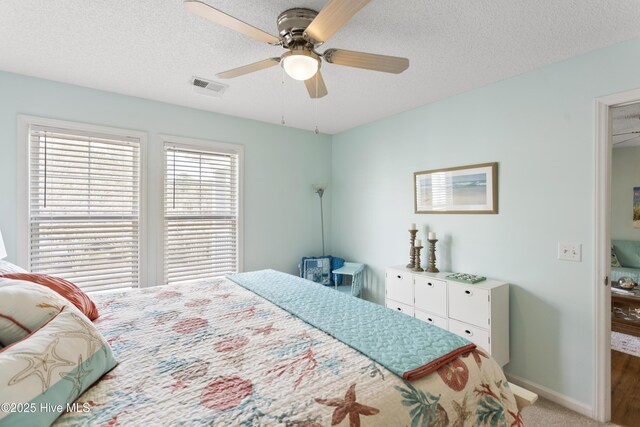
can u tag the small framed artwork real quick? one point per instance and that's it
(636, 207)
(469, 189)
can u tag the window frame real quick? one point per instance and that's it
(203, 145)
(24, 175)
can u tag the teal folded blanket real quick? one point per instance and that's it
(408, 347)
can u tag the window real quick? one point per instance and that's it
(201, 210)
(84, 204)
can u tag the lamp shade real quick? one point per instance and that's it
(3, 250)
(320, 186)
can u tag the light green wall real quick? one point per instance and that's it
(540, 128)
(625, 176)
(281, 212)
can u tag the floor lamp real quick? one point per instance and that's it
(319, 189)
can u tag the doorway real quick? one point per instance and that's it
(625, 264)
(609, 113)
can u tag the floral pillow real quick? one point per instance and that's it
(614, 258)
(44, 373)
(25, 307)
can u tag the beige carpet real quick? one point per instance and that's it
(545, 413)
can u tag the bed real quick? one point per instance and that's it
(215, 353)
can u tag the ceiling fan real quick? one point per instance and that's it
(635, 132)
(301, 32)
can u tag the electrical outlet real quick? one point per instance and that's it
(570, 252)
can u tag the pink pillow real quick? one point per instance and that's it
(63, 287)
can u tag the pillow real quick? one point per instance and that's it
(24, 307)
(76, 356)
(65, 288)
(614, 258)
(7, 267)
(317, 269)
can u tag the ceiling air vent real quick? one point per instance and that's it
(207, 87)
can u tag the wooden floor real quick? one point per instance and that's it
(625, 389)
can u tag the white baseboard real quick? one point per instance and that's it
(552, 395)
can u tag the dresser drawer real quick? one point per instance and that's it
(399, 286)
(438, 321)
(478, 336)
(430, 295)
(398, 306)
(469, 304)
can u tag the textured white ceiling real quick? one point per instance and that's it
(151, 49)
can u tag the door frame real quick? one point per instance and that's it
(602, 250)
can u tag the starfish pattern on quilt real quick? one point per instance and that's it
(41, 364)
(265, 330)
(348, 406)
(462, 412)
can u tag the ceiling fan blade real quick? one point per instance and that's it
(221, 18)
(333, 16)
(316, 91)
(369, 61)
(626, 133)
(626, 140)
(246, 69)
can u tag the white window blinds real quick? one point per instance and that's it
(200, 213)
(84, 207)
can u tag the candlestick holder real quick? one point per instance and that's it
(432, 256)
(417, 267)
(412, 255)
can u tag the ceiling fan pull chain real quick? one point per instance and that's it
(282, 104)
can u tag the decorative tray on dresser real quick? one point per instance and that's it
(479, 312)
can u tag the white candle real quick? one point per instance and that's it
(432, 235)
(418, 243)
(412, 226)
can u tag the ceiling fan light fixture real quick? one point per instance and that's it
(300, 64)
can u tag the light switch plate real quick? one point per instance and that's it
(570, 252)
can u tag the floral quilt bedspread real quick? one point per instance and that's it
(216, 354)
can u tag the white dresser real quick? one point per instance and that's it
(479, 312)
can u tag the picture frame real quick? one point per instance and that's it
(471, 189)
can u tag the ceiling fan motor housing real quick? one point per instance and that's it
(292, 24)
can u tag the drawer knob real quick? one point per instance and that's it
(399, 309)
(430, 284)
(399, 277)
(468, 332)
(430, 319)
(468, 292)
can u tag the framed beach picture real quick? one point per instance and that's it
(469, 189)
(636, 207)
